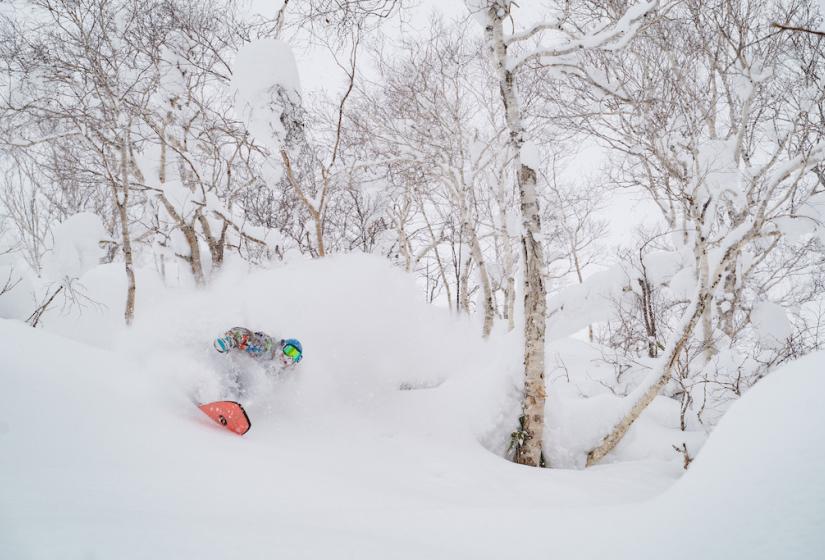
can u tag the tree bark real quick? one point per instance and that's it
(122, 204)
(725, 308)
(708, 347)
(194, 259)
(464, 281)
(529, 449)
(216, 245)
(510, 273)
(509, 256)
(486, 290)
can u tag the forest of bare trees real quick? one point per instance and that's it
(456, 152)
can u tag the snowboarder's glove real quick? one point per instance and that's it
(223, 344)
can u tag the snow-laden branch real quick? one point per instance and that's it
(42, 140)
(614, 36)
(538, 28)
(589, 76)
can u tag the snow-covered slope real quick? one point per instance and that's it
(758, 484)
(757, 489)
(374, 449)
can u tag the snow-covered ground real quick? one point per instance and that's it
(386, 442)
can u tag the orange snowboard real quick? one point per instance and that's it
(228, 414)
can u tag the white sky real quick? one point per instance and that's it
(317, 67)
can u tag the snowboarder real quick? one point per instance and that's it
(260, 346)
(283, 353)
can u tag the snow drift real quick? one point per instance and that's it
(755, 491)
(373, 449)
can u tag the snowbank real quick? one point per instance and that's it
(758, 483)
(756, 490)
(369, 450)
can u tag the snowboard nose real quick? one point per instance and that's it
(228, 414)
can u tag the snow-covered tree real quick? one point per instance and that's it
(720, 121)
(563, 51)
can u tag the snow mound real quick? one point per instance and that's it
(756, 489)
(758, 481)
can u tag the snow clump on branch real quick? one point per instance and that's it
(268, 92)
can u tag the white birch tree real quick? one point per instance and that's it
(509, 57)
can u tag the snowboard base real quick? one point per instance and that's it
(229, 414)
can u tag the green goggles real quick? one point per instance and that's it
(292, 352)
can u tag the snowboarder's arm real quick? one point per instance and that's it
(236, 337)
(256, 344)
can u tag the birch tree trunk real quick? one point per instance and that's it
(670, 358)
(464, 282)
(509, 262)
(478, 256)
(194, 257)
(725, 309)
(529, 442)
(163, 154)
(401, 230)
(216, 244)
(708, 348)
(122, 204)
(486, 290)
(511, 294)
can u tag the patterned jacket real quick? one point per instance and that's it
(256, 344)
